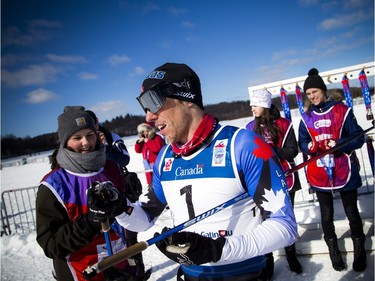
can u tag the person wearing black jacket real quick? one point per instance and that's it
(325, 124)
(67, 230)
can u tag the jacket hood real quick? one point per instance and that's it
(323, 106)
(146, 127)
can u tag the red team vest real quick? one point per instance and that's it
(73, 197)
(322, 126)
(284, 125)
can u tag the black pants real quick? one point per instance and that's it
(292, 195)
(349, 201)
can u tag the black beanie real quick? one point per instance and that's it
(186, 83)
(73, 119)
(314, 81)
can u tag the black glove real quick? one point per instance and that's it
(133, 185)
(191, 248)
(89, 226)
(115, 274)
(105, 201)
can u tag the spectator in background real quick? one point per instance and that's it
(149, 144)
(115, 147)
(324, 124)
(279, 133)
(67, 231)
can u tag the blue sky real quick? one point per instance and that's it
(97, 53)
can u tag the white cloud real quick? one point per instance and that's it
(42, 23)
(31, 75)
(343, 20)
(177, 11)
(37, 31)
(118, 59)
(356, 3)
(150, 6)
(187, 24)
(12, 36)
(13, 59)
(308, 3)
(39, 96)
(87, 76)
(282, 54)
(108, 109)
(137, 71)
(190, 38)
(165, 45)
(66, 59)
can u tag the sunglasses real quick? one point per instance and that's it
(153, 99)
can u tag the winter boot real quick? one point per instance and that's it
(270, 266)
(292, 259)
(359, 261)
(335, 255)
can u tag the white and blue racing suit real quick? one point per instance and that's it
(232, 162)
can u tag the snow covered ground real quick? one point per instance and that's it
(23, 259)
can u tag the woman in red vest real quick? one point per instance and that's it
(278, 132)
(325, 123)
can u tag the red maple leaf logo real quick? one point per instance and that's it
(262, 149)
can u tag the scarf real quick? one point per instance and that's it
(81, 163)
(205, 129)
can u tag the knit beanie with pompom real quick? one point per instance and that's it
(314, 81)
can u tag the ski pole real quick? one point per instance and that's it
(106, 227)
(92, 270)
(370, 151)
(331, 150)
(302, 111)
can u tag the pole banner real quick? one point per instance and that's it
(285, 104)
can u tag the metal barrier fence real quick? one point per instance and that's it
(18, 211)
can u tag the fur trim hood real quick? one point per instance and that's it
(146, 127)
